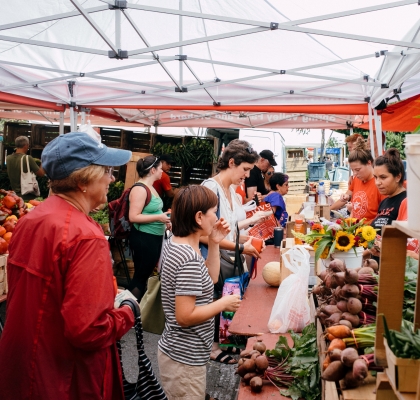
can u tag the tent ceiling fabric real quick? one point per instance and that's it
(209, 62)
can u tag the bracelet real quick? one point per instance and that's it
(241, 248)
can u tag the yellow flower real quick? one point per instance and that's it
(350, 221)
(358, 232)
(344, 241)
(325, 253)
(363, 244)
(368, 233)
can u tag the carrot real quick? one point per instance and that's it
(339, 331)
(330, 337)
(337, 344)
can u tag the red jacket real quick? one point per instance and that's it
(59, 337)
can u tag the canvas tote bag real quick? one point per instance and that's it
(28, 182)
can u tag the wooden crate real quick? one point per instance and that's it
(14, 129)
(296, 164)
(3, 274)
(295, 153)
(139, 142)
(197, 175)
(297, 176)
(175, 175)
(297, 187)
(323, 211)
(112, 137)
(294, 202)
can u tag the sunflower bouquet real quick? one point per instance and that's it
(342, 235)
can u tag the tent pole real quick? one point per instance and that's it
(83, 117)
(372, 147)
(118, 29)
(72, 119)
(181, 64)
(378, 129)
(61, 129)
(75, 120)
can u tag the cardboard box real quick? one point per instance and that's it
(323, 211)
(402, 372)
(131, 176)
(294, 202)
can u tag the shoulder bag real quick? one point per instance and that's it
(28, 182)
(147, 386)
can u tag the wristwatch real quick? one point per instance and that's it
(241, 248)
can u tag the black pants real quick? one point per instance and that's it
(146, 250)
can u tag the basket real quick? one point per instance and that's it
(316, 171)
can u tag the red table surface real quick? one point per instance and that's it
(252, 317)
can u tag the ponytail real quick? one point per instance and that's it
(360, 152)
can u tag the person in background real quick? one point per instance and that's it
(389, 178)
(234, 165)
(329, 164)
(351, 141)
(279, 187)
(163, 185)
(267, 175)
(61, 331)
(412, 243)
(363, 192)
(255, 182)
(13, 164)
(149, 223)
(187, 293)
(310, 158)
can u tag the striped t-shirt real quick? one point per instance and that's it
(184, 273)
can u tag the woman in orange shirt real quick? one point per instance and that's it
(363, 193)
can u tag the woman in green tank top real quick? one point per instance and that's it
(149, 224)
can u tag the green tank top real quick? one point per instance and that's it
(153, 208)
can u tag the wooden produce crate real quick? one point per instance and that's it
(14, 129)
(139, 142)
(403, 373)
(43, 134)
(323, 211)
(197, 175)
(112, 137)
(296, 164)
(297, 187)
(295, 153)
(3, 274)
(290, 225)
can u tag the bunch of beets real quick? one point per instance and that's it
(252, 366)
(346, 296)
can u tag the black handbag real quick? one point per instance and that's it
(147, 386)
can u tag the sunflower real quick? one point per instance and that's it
(368, 233)
(325, 253)
(344, 241)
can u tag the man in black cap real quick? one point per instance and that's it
(163, 185)
(255, 183)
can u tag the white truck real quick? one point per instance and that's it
(267, 140)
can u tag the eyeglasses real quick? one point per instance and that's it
(249, 149)
(109, 171)
(152, 165)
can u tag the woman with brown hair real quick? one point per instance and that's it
(149, 223)
(389, 176)
(187, 293)
(363, 193)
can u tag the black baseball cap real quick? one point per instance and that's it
(268, 155)
(167, 158)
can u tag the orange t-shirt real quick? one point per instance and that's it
(412, 243)
(241, 191)
(365, 199)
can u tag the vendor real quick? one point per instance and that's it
(389, 177)
(363, 193)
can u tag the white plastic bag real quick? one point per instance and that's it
(291, 308)
(28, 182)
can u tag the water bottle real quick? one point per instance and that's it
(322, 199)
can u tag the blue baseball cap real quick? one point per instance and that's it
(75, 150)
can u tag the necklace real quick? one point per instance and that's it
(224, 190)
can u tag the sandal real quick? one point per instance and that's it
(233, 350)
(225, 358)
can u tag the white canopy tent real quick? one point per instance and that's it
(199, 63)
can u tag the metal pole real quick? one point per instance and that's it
(181, 77)
(83, 117)
(75, 120)
(72, 129)
(118, 29)
(61, 129)
(372, 145)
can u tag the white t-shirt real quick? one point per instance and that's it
(232, 216)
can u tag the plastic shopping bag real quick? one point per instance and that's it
(291, 308)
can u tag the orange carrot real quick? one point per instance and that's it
(330, 337)
(326, 363)
(337, 344)
(339, 331)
